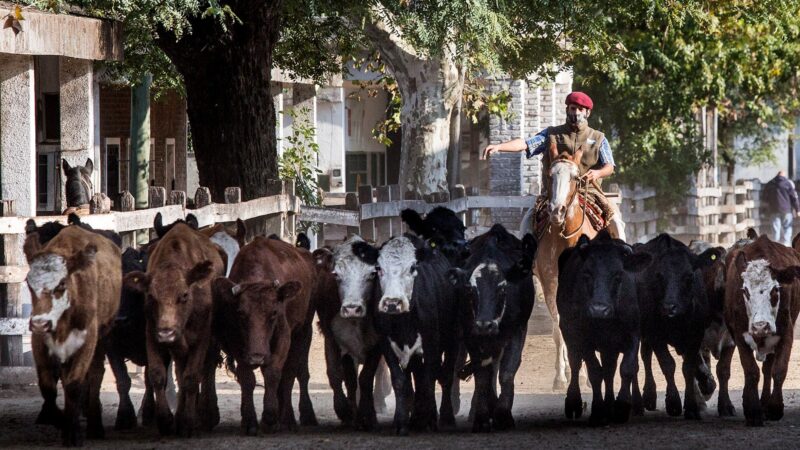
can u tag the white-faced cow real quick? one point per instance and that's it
(264, 321)
(179, 311)
(496, 298)
(762, 301)
(600, 313)
(416, 315)
(674, 312)
(346, 316)
(75, 285)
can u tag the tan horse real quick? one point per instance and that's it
(567, 222)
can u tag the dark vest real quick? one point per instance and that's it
(567, 141)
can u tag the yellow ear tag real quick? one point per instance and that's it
(433, 244)
(713, 257)
(136, 280)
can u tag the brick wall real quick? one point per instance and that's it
(167, 121)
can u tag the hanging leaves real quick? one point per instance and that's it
(14, 20)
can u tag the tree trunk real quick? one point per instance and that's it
(227, 78)
(140, 141)
(430, 88)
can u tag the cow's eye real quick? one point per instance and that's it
(379, 271)
(413, 269)
(183, 298)
(371, 275)
(62, 286)
(335, 275)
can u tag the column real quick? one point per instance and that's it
(76, 94)
(18, 132)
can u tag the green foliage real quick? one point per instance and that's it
(299, 159)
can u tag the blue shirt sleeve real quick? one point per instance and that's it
(536, 144)
(605, 157)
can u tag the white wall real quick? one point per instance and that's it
(331, 122)
(363, 114)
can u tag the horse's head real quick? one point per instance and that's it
(563, 176)
(78, 187)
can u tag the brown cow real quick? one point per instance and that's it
(762, 300)
(75, 285)
(264, 313)
(179, 310)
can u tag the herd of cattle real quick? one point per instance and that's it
(433, 306)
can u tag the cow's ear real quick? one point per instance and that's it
(89, 166)
(191, 220)
(456, 276)
(740, 263)
(787, 275)
(707, 258)
(752, 234)
(32, 246)
(200, 272)
(323, 259)
(365, 252)
(30, 226)
(583, 241)
(82, 258)
(241, 232)
(224, 290)
(288, 290)
(158, 225)
(65, 166)
(636, 262)
(136, 281)
(414, 222)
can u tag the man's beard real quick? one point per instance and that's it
(577, 120)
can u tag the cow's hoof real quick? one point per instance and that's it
(366, 421)
(573, 408)
(249, 426)
(50, 415)
(726, 409)
(269, 427)
(598, 420)
(343, 410)
(165, 423)
(691, 414)
(126, 418)
(148, 412)
(503, 419)
(649, 397)
(401, 430)
(424, 422)
(210, 419)
(774, 411)
(482, 425)
(622, 411)
(308, 420)
(184, 428)
(95, 431)
(754, 421)
(72, 436)
(673, 402)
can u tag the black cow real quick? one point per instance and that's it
(443, 228)
(599, 313)
(674, 311)
(416, 315)
(49, 230)
(496, 296)
(303, 241)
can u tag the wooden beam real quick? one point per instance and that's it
(329, 216)
(13, 326)
(13, 274)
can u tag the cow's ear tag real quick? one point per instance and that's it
(433, 244)
(713, 257)
(136, 279)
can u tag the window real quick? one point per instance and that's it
(52, 117)
(112, 166)
(364, 168)
(46, 170)
(41, 179)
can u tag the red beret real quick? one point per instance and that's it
(580, 99)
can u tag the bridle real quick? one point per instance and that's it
(581, 183)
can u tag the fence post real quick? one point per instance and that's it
(157, 197)
(11, 346)
(351, 204)
(233, 195)
(367, 226)
(383, 226)
(396, 224)
(177, 198)
(202, 197)
(127, 203)
(459, 191)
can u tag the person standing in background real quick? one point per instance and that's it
(781, 206)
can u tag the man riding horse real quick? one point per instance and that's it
(575, 141)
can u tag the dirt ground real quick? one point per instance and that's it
(538, 411)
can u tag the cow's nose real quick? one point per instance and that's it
(486, 327)
(40, 325)
(599, 311)
(352, 311)
(166, 335)
(391, 305)
(256, 359)
(671, 310)
(759, 329)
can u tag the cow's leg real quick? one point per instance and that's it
(383, 385)
(483, 398)
(779, 369)
(667, 363)
(272, 405)
(350, 368)
(71, 433)
(609, 361)
(460, 362)
(509, 364)
(366, 418)
(597, 417)
(333, 363)
(724, 405)
(766, 386)
(637, 406)
(208, 408)
(94, 411)
(649, 394)
(689, 367)
(423, 415)
(76, 380)
(447, 380)
(750, 402)
(705, 379)
(573, 404)
(400, 384)
(126, 413)
(628, 370)
(47, 375)
(285, 409)
(307, 415)
(156, 371)
(247, 382)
